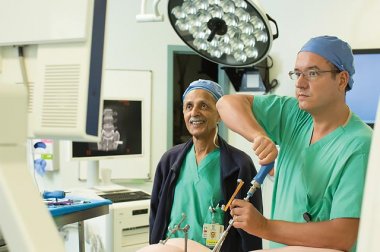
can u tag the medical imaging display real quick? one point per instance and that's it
(120, 134)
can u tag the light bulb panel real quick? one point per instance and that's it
(231, 33)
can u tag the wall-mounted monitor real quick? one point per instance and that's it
(364, 96)
(121, 132)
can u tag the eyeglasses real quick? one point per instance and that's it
(311, 74)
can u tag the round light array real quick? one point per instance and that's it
(228, 32)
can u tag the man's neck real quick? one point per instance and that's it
(325, 123)
(202, 147)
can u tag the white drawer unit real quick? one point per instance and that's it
(124, 229)
(127, 226)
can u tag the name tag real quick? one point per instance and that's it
(212, 233)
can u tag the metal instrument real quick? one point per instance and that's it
(177, 228)
(256, 183)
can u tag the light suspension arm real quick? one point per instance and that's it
(153, 17)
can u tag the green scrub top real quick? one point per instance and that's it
(197, 188)
(324, 179)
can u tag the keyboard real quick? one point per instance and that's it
(124, 196)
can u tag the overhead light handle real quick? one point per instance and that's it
(275, 24)
(216, 26)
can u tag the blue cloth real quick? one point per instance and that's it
(40, 166)
(210, 86)
(335, 50)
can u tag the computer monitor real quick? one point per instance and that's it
(63, 46)
(364, 96)
(121, 146)
(120, 85)
(121, 132)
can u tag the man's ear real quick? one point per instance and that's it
(344, 78)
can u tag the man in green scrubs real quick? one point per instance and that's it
(324, 148)
(198, 177)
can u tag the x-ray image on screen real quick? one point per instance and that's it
(121, 132)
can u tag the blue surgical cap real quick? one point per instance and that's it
(213, 88)
(334, 50)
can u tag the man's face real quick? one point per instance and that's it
(322, 91)
(200, 114)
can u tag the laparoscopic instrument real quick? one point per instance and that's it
(58, 198)
(256, 184)
(177, 228)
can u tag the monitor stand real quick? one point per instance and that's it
(94, 182)
(92, 173)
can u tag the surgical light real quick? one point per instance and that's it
(232, 33)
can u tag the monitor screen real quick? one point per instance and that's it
(121, 132)
(364, 96)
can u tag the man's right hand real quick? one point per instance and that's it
(265, 150)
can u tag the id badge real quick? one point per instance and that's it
(212, 233)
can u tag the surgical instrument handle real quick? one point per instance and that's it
(264, 170)
(256, 183)
(259, 179)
